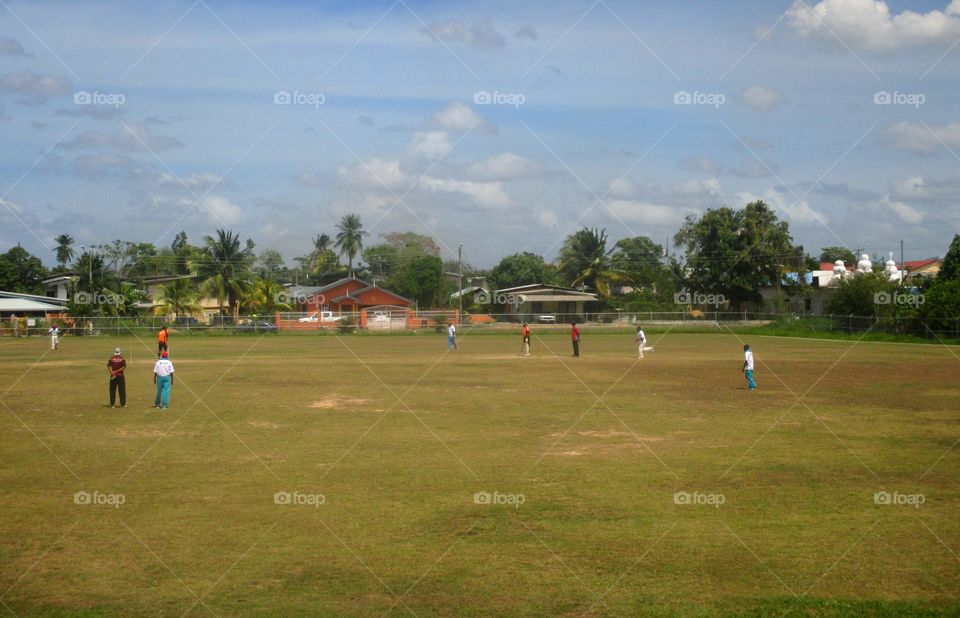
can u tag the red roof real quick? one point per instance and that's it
(917, 264)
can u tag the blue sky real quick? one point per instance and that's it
(586, 123)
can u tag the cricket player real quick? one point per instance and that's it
(163, 378)
(162, 341)
(575, 337)
(116, 366)
(54, 333)
(748, 367)
(525, 331)
(451, 337)
(641, 340)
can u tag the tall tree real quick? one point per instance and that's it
(639, 259)
(832, 254)
(585, 259)
(64, 249)
(179, 297)
(950, 268)
(225, 268)
(521, 269)
(21, 272)
(350, 238)
(736, 252)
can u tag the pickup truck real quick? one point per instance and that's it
(321, 316)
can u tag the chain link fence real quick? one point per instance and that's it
(387, 322)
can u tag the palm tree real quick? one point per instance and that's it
(64, 251)
(584, 259)
(225, 269)
(350, 238)
(264, 297)
(179, 297)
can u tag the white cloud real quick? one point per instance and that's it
(487, 194)
(506, 166)
(923, 138)
(375, 174)
(633, 211)
(762, 99)
(220, 209)
(430, 144)
(622, 187)
(460, 118)
(34, 88)
(906, 213)
(786, 206)
(869, 25)
(478, 35)
(547, 218)
(127, 139)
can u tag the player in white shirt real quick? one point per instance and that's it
(641, 340)
(451, 337)
(54, 333)
(163, 378)
(748, 367)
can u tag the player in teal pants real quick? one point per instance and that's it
(748, 367)
(163, 378)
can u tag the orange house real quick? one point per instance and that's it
(349, 295)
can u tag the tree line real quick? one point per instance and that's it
(726, 252)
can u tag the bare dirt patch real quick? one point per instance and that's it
(338, 402)
(263, 424)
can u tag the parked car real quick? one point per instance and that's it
(547, 319)
(321, 316)
(258, 326)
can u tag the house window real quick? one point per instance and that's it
(808, 304)
(537, 307)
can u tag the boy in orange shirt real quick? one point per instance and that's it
(162, 341)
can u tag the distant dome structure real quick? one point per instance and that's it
(839, 270)
(864, 265)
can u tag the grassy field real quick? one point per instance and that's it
(379, 449)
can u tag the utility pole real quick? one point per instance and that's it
(903, 267)
(460, 283)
